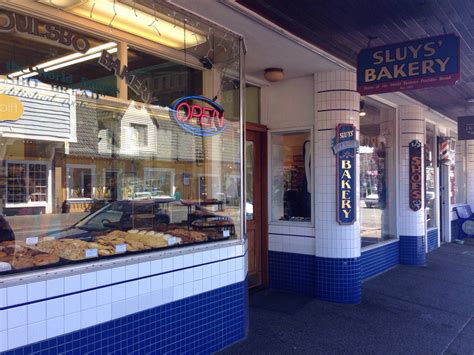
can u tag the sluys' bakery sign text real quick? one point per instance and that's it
(345, 149)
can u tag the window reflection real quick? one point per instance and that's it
(377, 172)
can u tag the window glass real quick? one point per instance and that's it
(377, 172)
(460, 172)
(84, 165)
(291, 177)
(252, 104)
(81, 181)
(430, 176)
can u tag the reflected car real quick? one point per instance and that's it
(372, 201)
(118, 215)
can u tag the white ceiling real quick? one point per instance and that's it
(265, 47)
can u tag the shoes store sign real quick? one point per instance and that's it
(415, 171)
(345, 148)
(417, 64)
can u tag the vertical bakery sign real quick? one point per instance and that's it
(345, 148)
(415, 171)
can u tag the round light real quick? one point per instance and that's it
(362, 114)
(273, 74)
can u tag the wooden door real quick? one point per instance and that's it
(256, 206)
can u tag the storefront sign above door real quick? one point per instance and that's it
(410, 65)
(465, 128)
(415, 171)
(346, 173)
(26, 24)
(205, 120)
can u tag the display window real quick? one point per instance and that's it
(291, 177)
(110, 149)
(377, 172)
(458, 177)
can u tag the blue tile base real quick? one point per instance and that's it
(291, 272)
(339, 280)
(412, 250)
(380, 259)
(196, 325)
(432, 238)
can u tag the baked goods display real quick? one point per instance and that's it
(134, 239)
(20, 256)
(188, 236)
(17, 255)
(66, 248)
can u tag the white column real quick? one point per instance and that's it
(336, 101)
(412, 224)
(338, 272)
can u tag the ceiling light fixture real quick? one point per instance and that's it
(129, 19)
(66, 60)
(274, 74)
(362, 113)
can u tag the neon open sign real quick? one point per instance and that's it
(198, 115)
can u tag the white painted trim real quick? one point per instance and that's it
(49, 198)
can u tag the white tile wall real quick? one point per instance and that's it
(332, 239)
(41, 320)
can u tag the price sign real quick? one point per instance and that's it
(91, 253)
(121, 248)
(31, 241)
(171, 240)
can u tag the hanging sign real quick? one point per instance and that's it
(346, 173)
(415, 171)
(465, 128)
(198, 115)
(417, 64)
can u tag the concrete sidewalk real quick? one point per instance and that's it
(407, 310)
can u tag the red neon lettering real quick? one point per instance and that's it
(206, 116)
(220, 120)
(196, 112)
(187, 111)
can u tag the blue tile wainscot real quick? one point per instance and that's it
(379, 259)
(432, 239)
(412, 250)
(292, 272)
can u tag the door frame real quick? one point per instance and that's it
(262, 131)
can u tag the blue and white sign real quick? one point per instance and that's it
(421, 63)
(198, 115)
(346, 173)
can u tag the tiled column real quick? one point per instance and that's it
(470, 172)
(411, 224)
(338, 272)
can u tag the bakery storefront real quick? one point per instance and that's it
(120, 179)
